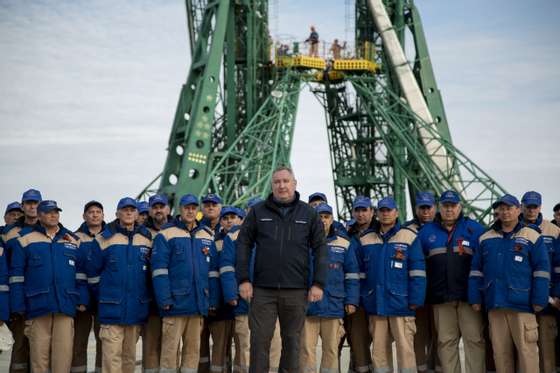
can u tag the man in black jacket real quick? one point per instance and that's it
(285, 233)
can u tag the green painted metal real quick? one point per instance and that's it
(190, 142)
(236, 115)
(396, 123)
(245, 168)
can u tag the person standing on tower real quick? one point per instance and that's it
(313, 41)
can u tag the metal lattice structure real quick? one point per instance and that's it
(387, 129)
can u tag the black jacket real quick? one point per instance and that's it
(282, 236)
(448, 258)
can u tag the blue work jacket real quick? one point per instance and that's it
(510, 270)
(118, 274)
(47, 275)
(394, 270)
(185, 270)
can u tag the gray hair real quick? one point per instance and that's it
(284, 168)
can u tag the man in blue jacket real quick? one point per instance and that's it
(19, 362)
(4, 287)
(118, 276)
(341, 295)
(356, 324)
(510, 272)
(425, 340)
(211, 208)
(449, 244)
(48, 283)
(93, 224)
(548, 329)
(395, 285)
(221, 323)
(185, 277)
(159, 211)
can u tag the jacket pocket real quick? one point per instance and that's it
(398, 300)
(269, 228)
(74, 295)
(519, 296)
(37, 299)
(110, 308)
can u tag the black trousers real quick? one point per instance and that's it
(290, 307)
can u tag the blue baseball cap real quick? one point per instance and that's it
(361, 202)
(213, 198)
(143, 207)
(31, 195)
(158, 198)
(425, 199)
(532, 198)
(317, 195)
(13, 206)
(323, 208)
(188, 199)
(449, 196)
(507, 199)
(387, 203)
(232, 210)
(253, 201)
(48, 205)
(127, 202)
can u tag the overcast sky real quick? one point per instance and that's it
(88, 92)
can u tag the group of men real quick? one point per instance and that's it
(282, 272)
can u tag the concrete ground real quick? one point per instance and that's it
(5, 357)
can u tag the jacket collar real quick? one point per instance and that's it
(538, 222)
(114, 227)
(85, 229)
(391, 232)
(60, 234)
(497, 226)
(271, 203)
(439, 221)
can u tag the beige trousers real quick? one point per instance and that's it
(119, 347)
(454, 320)
(177, 329)
(51, 339)
(383, 331)
(512, 329)
(331, 331)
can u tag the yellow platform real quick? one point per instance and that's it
(309, 62)
(355, 65)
